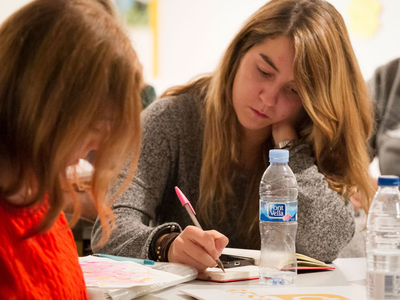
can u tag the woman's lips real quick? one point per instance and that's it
(261, 115)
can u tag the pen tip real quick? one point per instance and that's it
(219, 263)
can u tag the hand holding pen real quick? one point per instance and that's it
(194, 246)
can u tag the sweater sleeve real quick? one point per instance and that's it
(136, 208)
(325, 221)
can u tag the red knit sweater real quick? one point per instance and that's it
(42, 267)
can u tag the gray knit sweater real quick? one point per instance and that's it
(171, 155)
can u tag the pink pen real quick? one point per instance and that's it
(185, 202)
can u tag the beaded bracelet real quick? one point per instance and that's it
(165, 243)
(156, 241)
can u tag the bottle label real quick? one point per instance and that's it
(383, 285)
(278, 212)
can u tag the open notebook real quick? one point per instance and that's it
(304, 264)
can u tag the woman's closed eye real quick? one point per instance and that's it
(292, 90)
(265, 74)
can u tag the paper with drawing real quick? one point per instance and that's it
(277, 293)
(106, 273)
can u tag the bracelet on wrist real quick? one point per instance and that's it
(163, 248)
(158, 237)
(286, 144)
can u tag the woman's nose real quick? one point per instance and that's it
(270, 95)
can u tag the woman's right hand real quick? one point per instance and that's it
(197, 248)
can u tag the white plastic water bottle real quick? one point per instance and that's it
(383, 241)
(278, 221)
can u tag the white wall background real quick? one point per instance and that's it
(193, 34)
(7, 7)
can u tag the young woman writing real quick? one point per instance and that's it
(70, 82)
(289, 79)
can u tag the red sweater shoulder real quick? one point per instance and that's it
(42, 267)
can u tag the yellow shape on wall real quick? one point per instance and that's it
(364, 17)
(153, 16)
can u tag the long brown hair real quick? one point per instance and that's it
(333, 93)
(65, 65)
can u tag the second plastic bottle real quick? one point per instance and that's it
(278, 221)
(383, 241)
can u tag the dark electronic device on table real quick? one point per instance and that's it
(231, 261)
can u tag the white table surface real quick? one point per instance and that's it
(348, 271)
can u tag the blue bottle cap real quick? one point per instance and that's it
(388, 180)
(278, 156)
